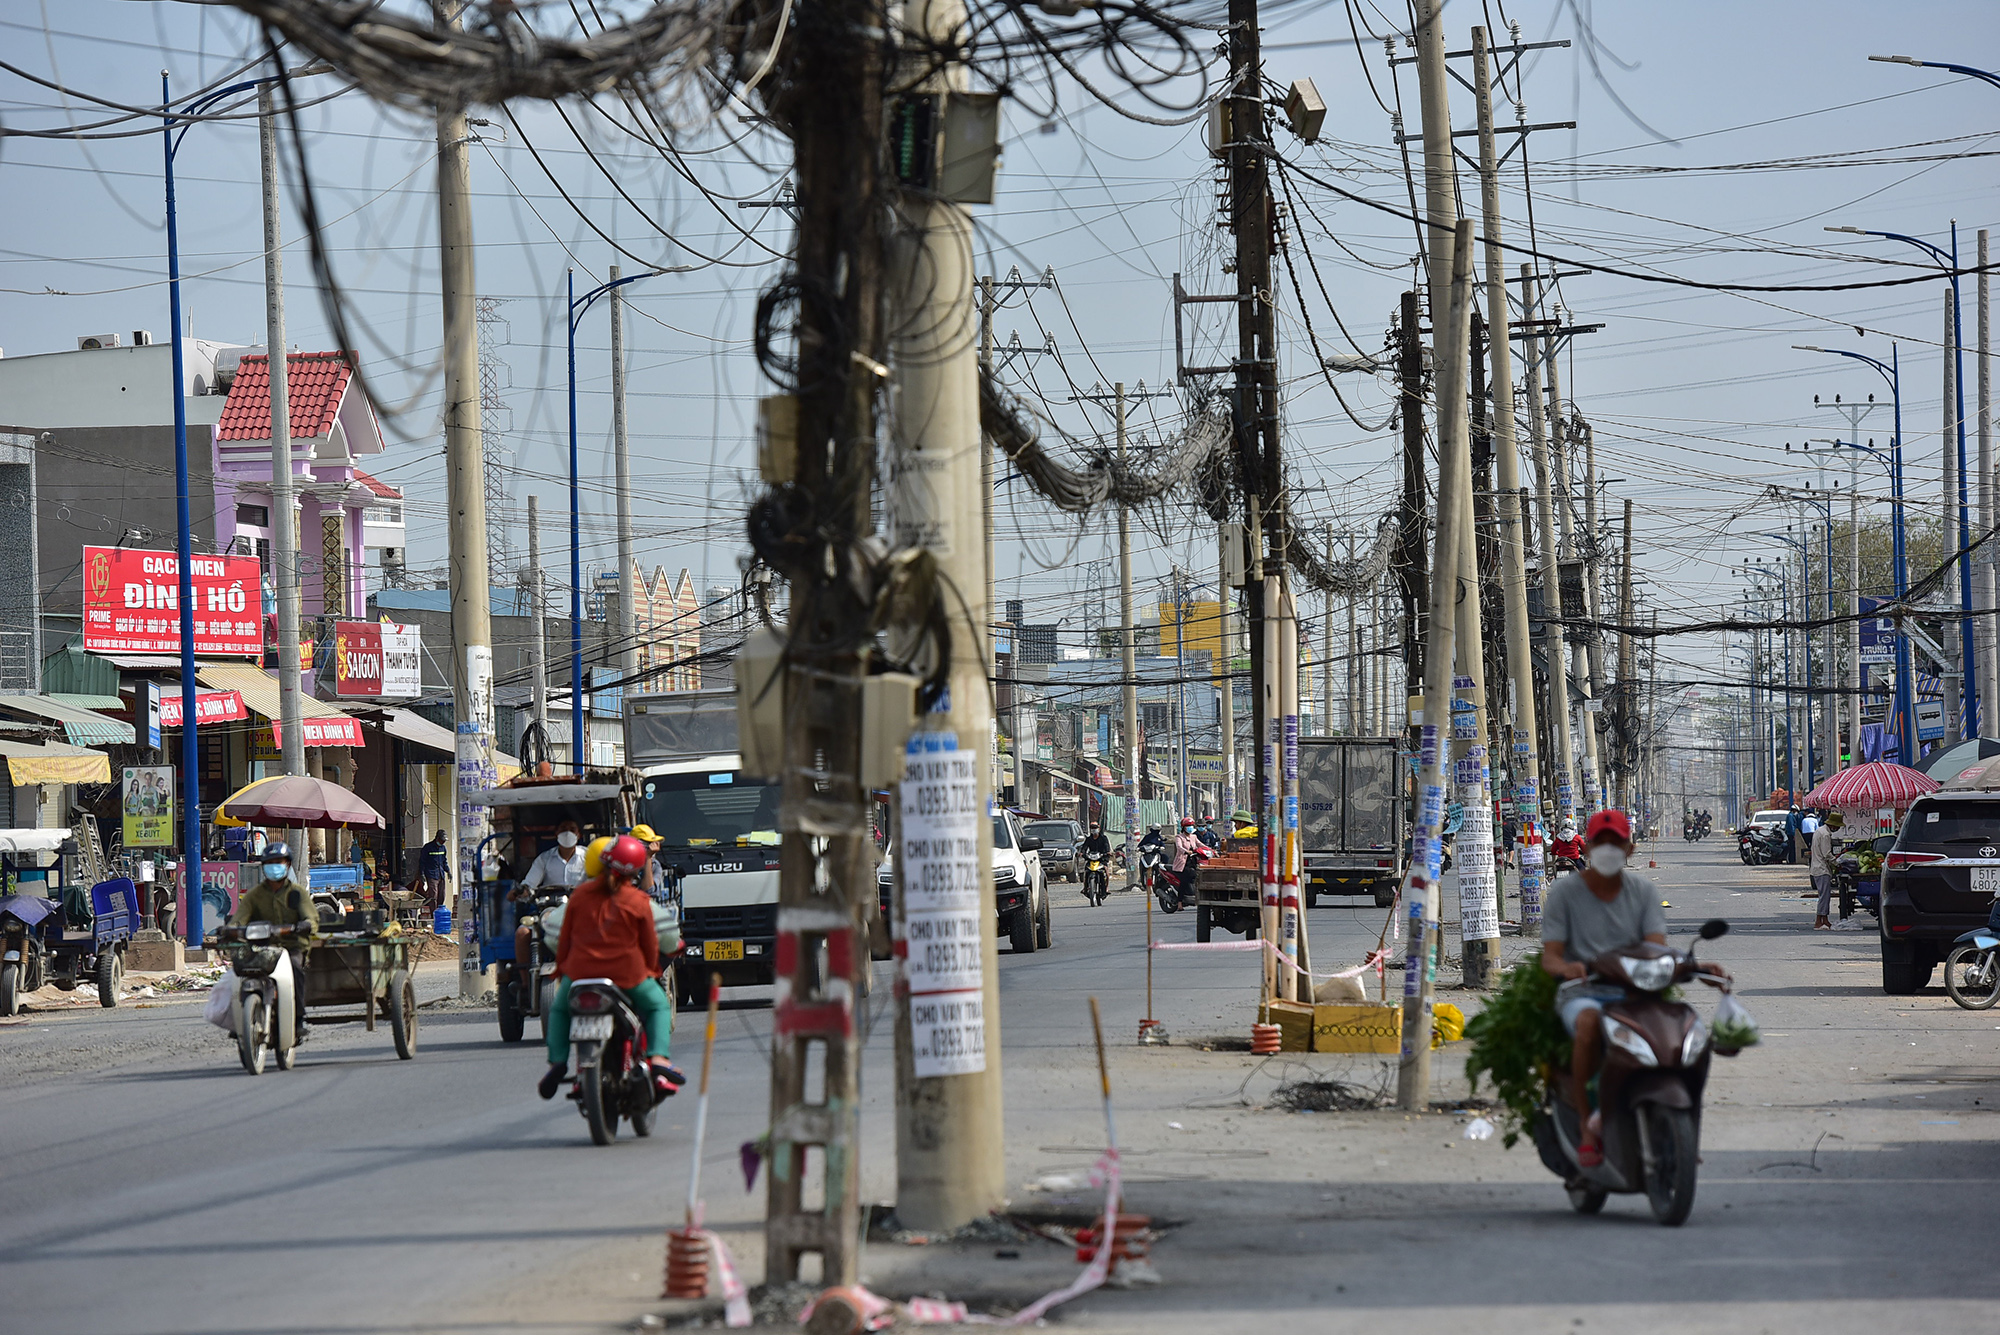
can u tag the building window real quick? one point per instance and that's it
(253, 516)
(1154, 718)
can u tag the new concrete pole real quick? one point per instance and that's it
(465, 495)
(1564, 767)
(1521, 760)
(1128, 657)
(1413, 1076)
(1628, 693)
(1355, 680)
(1855, 671)
(284, 518)
(538, 647)
(1225, 680)
(624, 629)
(950, 1166)
(1989, 592)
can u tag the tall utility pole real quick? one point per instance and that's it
(465, 490)
(1229, 556)
(1989, 513)
(1553, 636)
(624, 635)
(1128, 659)
(1586, 658)
(1625, 734)
(1955, 722)
(1355, 681)
(1521, 760)
(1412, 565)
(949, 1164)
(284, 517)
(538, 647)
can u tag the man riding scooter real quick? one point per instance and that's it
(1566, 847)
(1587, 914)
(608, 932)
(280, 900)
(1096, 847)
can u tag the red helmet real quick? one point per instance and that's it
(625, 857)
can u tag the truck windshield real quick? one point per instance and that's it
(1052, 832)
(709, 810)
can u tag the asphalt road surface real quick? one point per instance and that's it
(1850, 1162)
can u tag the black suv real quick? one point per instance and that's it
(1937, 883)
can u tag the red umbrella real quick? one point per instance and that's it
(1870, 787)
(298, 802)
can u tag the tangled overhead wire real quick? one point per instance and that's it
(1017, 429)
(497, 56)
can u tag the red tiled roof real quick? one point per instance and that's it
(378, 486)
(314, 382)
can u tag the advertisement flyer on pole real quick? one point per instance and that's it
(944, 905)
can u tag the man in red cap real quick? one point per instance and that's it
(1587, 914)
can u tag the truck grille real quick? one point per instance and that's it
(728, 923)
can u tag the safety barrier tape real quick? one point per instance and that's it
(1374, 961)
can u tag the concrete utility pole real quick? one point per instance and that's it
(1355, 681)
(1412, 565)
(1856, 671)
(1226, 580)
(1553, 635)
(1454, 480)
(624, 620)
(284, 515)
(465, 489)
(949, 1164)
(538, 647)
(1128, 659)
(1989, 593)
(1625, 735)
(1954, 720)
(1521, 761)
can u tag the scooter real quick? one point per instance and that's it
(263, 1012)
(1153, 872)
(1760, 846)
(1972, 970)
(1096, 886)
(1649, 1087)
(613, 1078)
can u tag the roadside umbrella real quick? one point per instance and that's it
(298, 802)
(1948, 763)
(1979, 776)
(1871, 787)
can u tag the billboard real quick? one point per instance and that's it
(131, 603)
(1878, 634)
(376, 660)
(149, 806)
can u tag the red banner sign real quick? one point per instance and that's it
(209, 707)
(357, 659)
(325, 732)
(131, 603)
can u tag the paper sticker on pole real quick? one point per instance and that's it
(131, 603)
(948, 1034)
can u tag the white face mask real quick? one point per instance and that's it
(566, 840)
(1607, 859)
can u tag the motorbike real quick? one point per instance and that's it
(23, 965)
(1649, 1087)
(1761, 845)
(1972, 970)
(1158, 881)
(527, 980)
(263, 1012)
(1563, 865)
(1096, 881)
(613, 1078)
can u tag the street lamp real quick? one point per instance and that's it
(1948, 259)
(579, 757)
(1891, 371)
(184, 539)
(1966, 70)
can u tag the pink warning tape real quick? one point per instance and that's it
(1374, 960)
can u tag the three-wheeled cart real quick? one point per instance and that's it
(1228, 896)
(367, 969)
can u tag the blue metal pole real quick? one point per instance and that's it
(1906, 709)
(1968, 656)
(191, 879)
(579, 757)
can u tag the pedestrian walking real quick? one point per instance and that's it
(1824, 854)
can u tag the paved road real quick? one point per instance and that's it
(1851, 1164)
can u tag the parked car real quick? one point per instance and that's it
(1059, 840)
(1020, 889)
(1939, 880)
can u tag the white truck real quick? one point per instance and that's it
(1351, 816)
(719, 828)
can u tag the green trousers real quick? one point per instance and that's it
(648, 998)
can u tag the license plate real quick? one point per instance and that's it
(590, 1028)
(1986, 880)
(722, 950)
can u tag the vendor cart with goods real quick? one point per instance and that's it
(359, 972)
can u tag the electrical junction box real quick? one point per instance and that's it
(760, 701)
(1305, 110)
(947, 144)
(1232, 554)
(888, 715)
(778, 438)
(1221, 126)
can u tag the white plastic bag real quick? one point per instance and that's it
(219, 998)
(1734, 1027)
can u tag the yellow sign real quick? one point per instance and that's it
(149, 806)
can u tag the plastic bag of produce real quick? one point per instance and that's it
(216, 1012)
(1734, 1028)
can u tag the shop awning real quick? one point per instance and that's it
(53, 762)
(83, 727)
(417, 730)
(209, 707)
(32, 840)
(321, 723)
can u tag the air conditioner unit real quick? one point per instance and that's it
(92, 342)
(142, 338)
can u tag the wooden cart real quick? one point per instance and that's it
(369, 970)
(1229, 895)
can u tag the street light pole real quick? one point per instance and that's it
(190, 748)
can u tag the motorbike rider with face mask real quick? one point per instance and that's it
(1586, 914)
(280, 900)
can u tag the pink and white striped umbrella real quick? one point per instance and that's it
(1871, 787)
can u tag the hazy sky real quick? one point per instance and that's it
(1707, 171)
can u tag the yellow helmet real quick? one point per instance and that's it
(645, 834)
(593, 856)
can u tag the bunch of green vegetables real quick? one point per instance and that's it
(1516, 1041)
(1870, 863)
